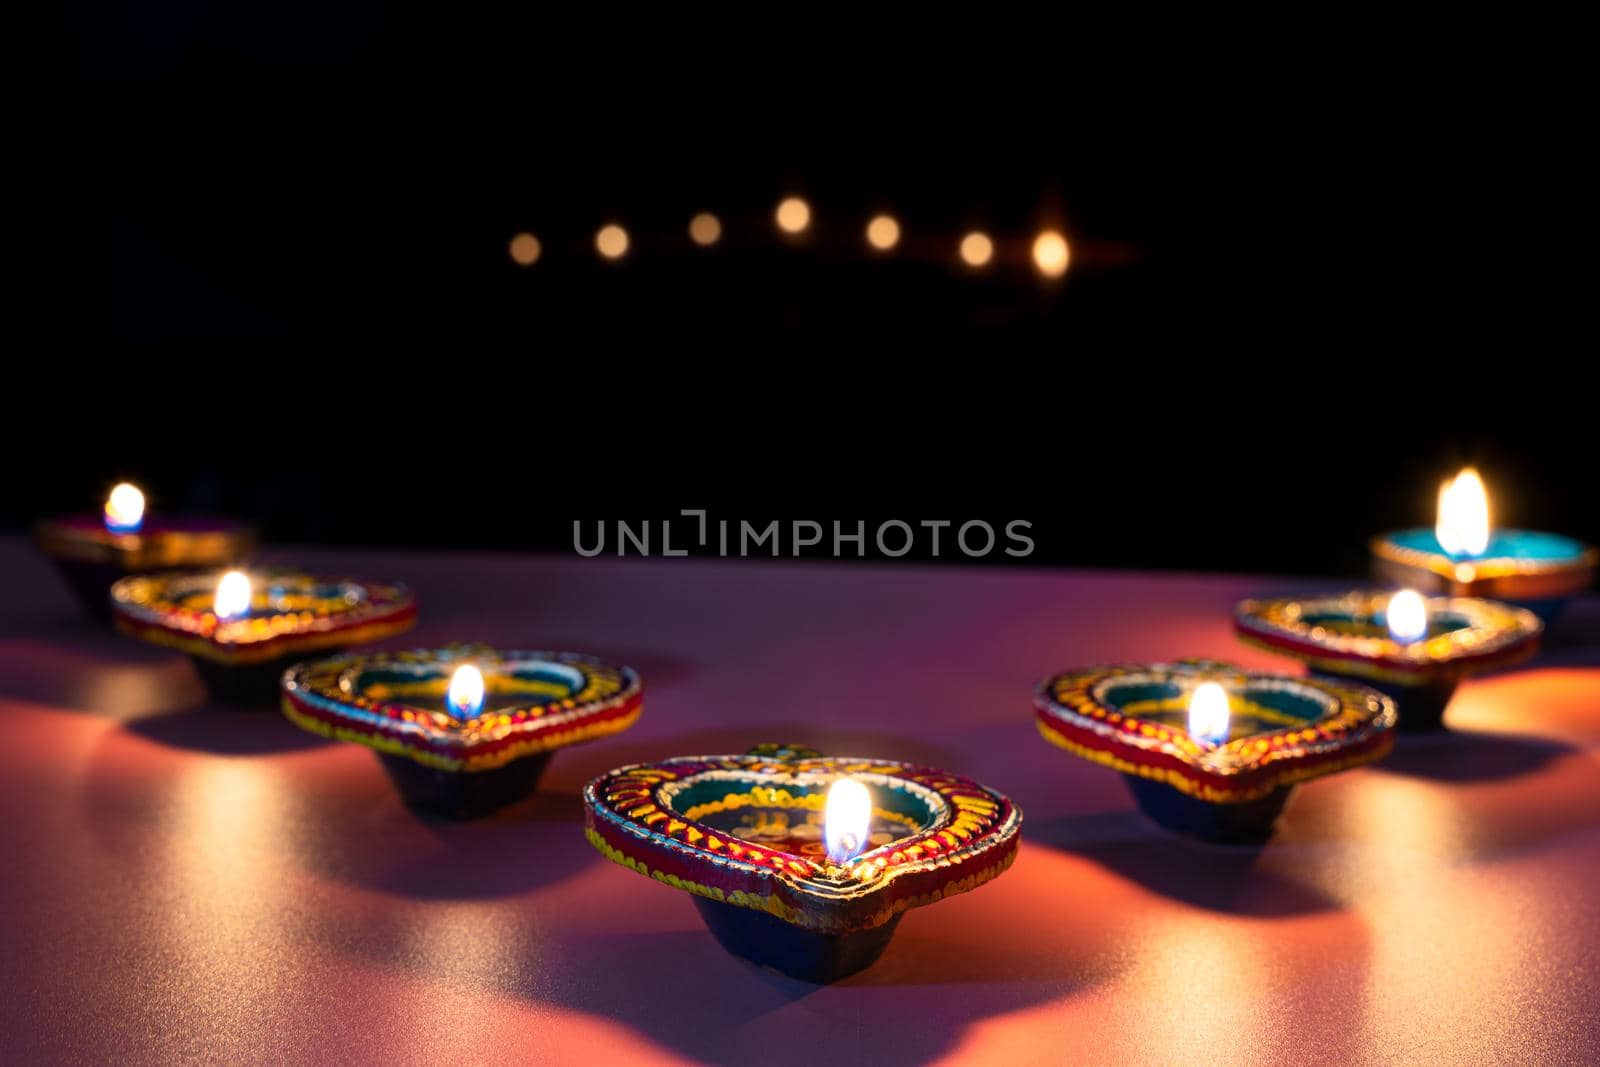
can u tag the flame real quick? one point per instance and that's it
(1051, 254)
(793, 215)
(233, 596)
(1407, 615)
(1208, 714)
(125, 509)
(1462, 526)
(846, 820)
(465, 698)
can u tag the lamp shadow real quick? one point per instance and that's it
(680, 990)
(1469, 756)
(377, 843)
(1573, 639)
(95, 672)
(222, 729)
(1223, 878)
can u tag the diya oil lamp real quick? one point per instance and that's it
(1412, 648)
(241, 629)
(92, 551)
(465, 730)
(1210, 750)
(797, 862)
(1464, 555)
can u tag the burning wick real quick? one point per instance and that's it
(846, 820)
(1407, 616)
(1208, 714)
(233, 596)
(1462, 526)
(465, 698)
(125, 509)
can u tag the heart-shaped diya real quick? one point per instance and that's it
(273, 618)
(1274, 732)
(1351, 636)
(758, 842)
(463, 761)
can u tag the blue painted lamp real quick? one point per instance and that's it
(1464, 556)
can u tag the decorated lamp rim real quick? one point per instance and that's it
(1491, 634)
(602, 699)
(1563, 574)
(969, 837)
(147, 606)
(1072, 713)
(162, 542)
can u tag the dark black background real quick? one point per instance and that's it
(264, 272)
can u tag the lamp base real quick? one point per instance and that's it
(251, 685)
(463, 794)
(1248, 823)
(768, 941)
(90, 584)
(1421, 707)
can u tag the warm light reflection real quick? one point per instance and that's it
(793, 215)
(976, 249)
(124, 509)
(1407, 615)
(1462, 526)
(1050, 254)
(705, 229)
(1208, 714)
(846, 820)
(525, 249)
(883, 232)
(465, 698)
(611, 241)
(233, 596)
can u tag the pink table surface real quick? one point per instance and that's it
(185, 882)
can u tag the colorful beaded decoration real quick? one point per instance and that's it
(1348, 635)
(696, 824)
(1283, 730)
(290, 614)
(394, 702)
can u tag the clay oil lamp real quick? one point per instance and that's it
(1465, 556)
(466, 730)
(92, 551)
(1414, 649)
(241, 629)
(1210, 750)
(800, 863)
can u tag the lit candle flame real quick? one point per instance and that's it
(465, 698)
(125, 509)
(1208, 714)
(1407, 615)
(846, 820)
(233, 596)
(1462, 526)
